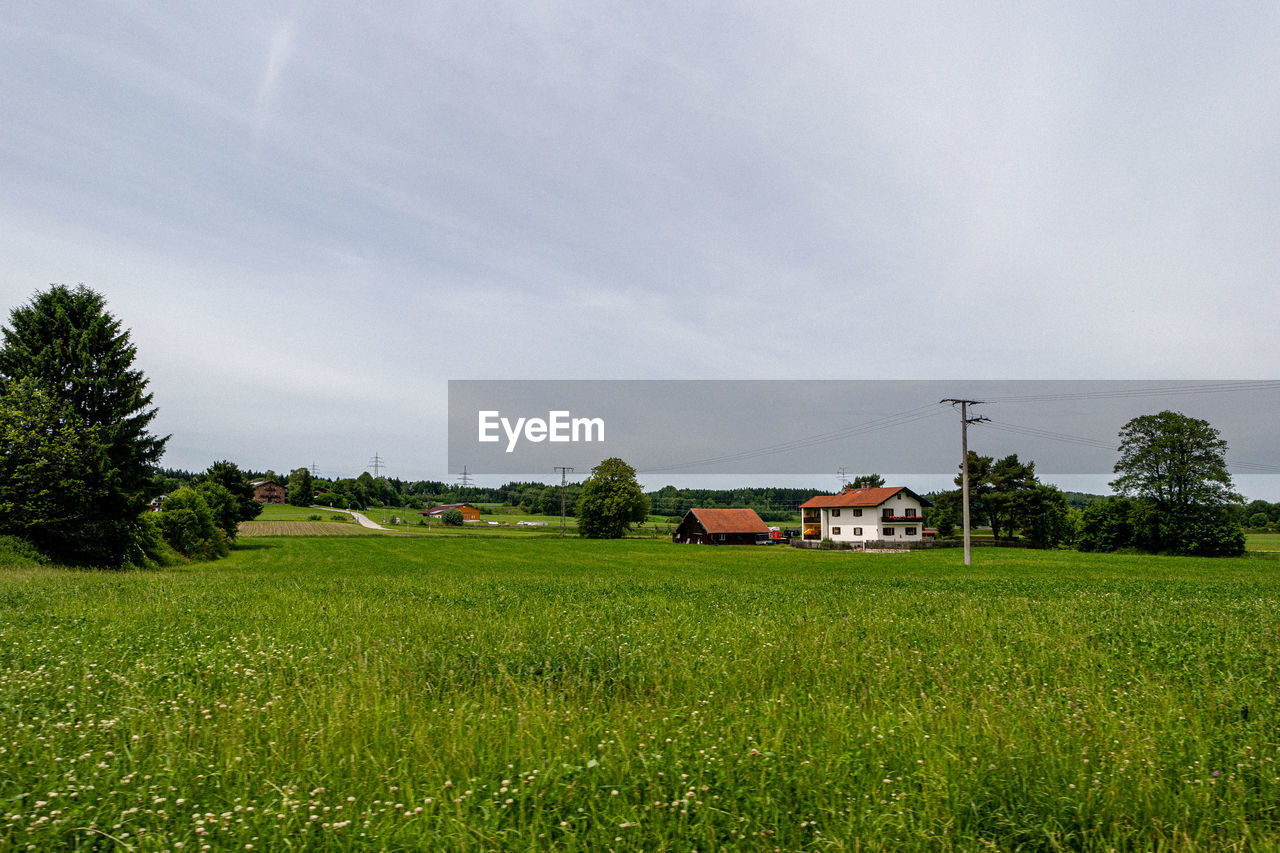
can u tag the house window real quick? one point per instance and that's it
(888, 531)
(857, 531)
(857, 513)
(888, 513)
(835, 531)
(911, 512)
(835, 513)
(909, 531)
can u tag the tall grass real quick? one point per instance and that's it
(387, 693)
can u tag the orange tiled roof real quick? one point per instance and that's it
(730, 520)
(860, 497)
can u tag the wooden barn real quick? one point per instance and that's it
(469, 513)
(721, 527)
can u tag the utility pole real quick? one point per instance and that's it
(564, 474)
(965, 420)
(843, 474)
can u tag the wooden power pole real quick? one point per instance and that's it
(965, 420)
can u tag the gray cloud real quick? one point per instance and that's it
(316, 214)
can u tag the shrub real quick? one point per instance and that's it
(223, 505)
(16, 551)
(452, 517)
(188, 526)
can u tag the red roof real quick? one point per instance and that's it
(730, 520)
(860, 497)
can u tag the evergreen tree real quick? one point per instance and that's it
(76, 352)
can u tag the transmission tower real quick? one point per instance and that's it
(377, 463)
(843, 474)
(464, 479)
(564, 473)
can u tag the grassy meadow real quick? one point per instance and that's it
(403, 693)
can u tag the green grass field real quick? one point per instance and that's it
(1262, 541)
(383, 692)
(284, 512)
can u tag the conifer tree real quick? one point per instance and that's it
(65, 343)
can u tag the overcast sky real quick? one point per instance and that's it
(312, 215)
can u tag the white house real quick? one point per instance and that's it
(889, 514)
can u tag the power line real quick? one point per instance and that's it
(887, 422)
(1034, 432)
(378, 464)
(1167, 390)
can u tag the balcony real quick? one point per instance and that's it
(901, 519)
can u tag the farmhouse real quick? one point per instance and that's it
(469, 513)
(890, 513)
(268, 492)
(721, 527)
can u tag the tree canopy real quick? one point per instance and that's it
(1176, 461)
(1176, 468)
(611, 501)
(301, 490)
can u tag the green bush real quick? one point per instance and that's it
(16, 551)
(188, 526)
(452, 517)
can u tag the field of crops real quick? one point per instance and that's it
(302, 528)
(384, 692)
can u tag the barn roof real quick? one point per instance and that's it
(860, 497)
(442, 507)
(730, 520)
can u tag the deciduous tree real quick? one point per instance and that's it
(1177, 466)
(301, 490)
(611, 501)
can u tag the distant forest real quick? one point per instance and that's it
(773, 504)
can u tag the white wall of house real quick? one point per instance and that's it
(862, 524)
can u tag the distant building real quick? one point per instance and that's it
(890, 513)
(469, 513)
(268, 492)
(721, 527)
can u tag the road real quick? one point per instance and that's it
(360, 517)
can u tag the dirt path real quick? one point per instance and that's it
(363, 519)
